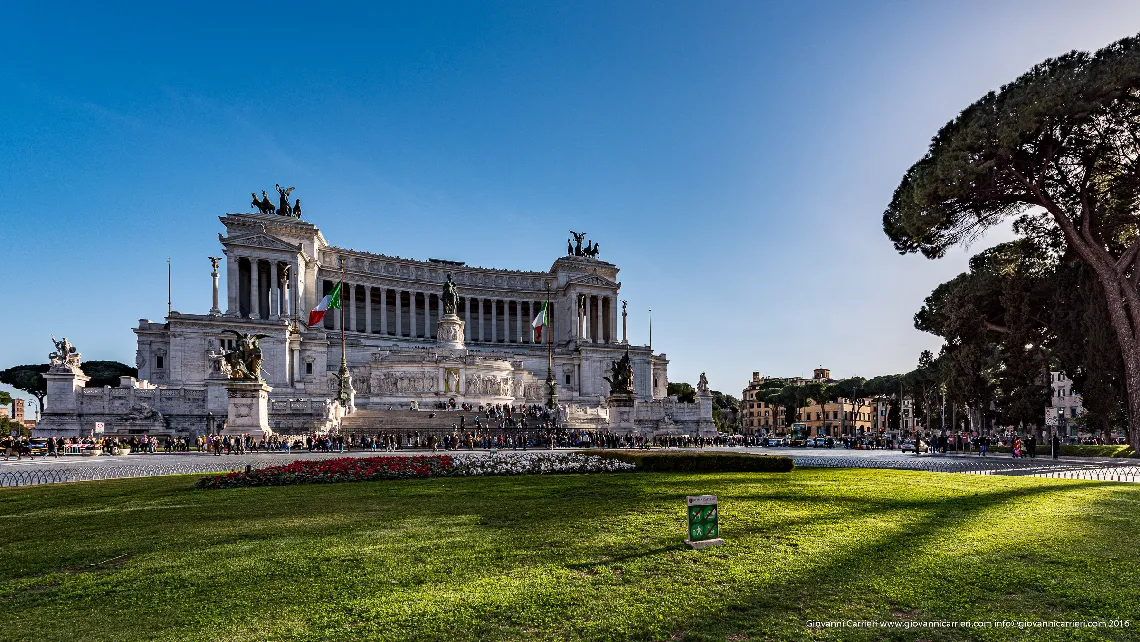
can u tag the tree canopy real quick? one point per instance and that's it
(107, 373)
(1059, 146)
(685, 392)
(28, 379)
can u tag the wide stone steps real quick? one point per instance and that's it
(372, 422)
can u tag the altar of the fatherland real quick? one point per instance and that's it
(278, 267)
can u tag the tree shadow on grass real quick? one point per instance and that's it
(874, 558)
(513, 521)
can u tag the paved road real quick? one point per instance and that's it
(1103, 469)
(41, 470)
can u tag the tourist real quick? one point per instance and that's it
(1031, 446)
(1056, 443)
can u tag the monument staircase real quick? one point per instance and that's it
(374, 422)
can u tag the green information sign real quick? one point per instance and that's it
(704, 521)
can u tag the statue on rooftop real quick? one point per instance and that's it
(263, 204)
(703, 385)
(284, 209)
(577, 242)
(450, 296)
(65, 356)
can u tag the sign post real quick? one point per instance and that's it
(704, 522)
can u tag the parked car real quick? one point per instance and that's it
(909, 445)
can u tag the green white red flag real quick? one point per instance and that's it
(539, 323)
(330, 302)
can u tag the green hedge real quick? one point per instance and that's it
(1076, 451)
(698, 462)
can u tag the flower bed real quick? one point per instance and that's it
(351, 469)
(536, 463)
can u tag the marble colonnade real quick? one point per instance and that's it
(411, 313)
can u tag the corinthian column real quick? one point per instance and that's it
(368, 309)
(255, 288)
(214, 311)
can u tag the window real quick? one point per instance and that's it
(158, 362)
(654, 382)
(309, 367)
(1073, 412)
(567, 379)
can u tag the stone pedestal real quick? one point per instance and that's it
(64, 402)
(248, 409)
(449, 332)
(622, 417)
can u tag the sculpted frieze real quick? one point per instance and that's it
(404, 382)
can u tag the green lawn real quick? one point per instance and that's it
(566, 557)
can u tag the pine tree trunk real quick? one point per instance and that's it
(1129, 350)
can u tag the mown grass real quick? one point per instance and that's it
(595, 557)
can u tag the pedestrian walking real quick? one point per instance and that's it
(1056, 446)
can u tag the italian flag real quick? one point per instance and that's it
(539, 322)
(330, 302)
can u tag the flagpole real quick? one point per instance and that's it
(552, 401)
(343, 354)
(345, 392)
(168, 287)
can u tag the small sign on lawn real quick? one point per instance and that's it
(704, 522)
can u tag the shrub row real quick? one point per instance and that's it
(699, 462)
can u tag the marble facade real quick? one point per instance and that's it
(400, 347)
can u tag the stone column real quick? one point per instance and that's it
(399, 313)
(368, 309)
(287, 291)
(297, 374)
(494, 320)
(274, 294)
(479, 313)
(233, 292)
(214, 310)
(295, 288)
(467, 312)
(350, 318)
(384, 310)
(624, 325)
(588, 325)
(518, 321)
(427, 316)
(613, 320)
(254, 288)
(336, 314)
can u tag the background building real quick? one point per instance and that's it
(842, 417)
(1064, 406)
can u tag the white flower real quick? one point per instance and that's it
(535, 463)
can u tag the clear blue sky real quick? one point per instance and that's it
(733, 159)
